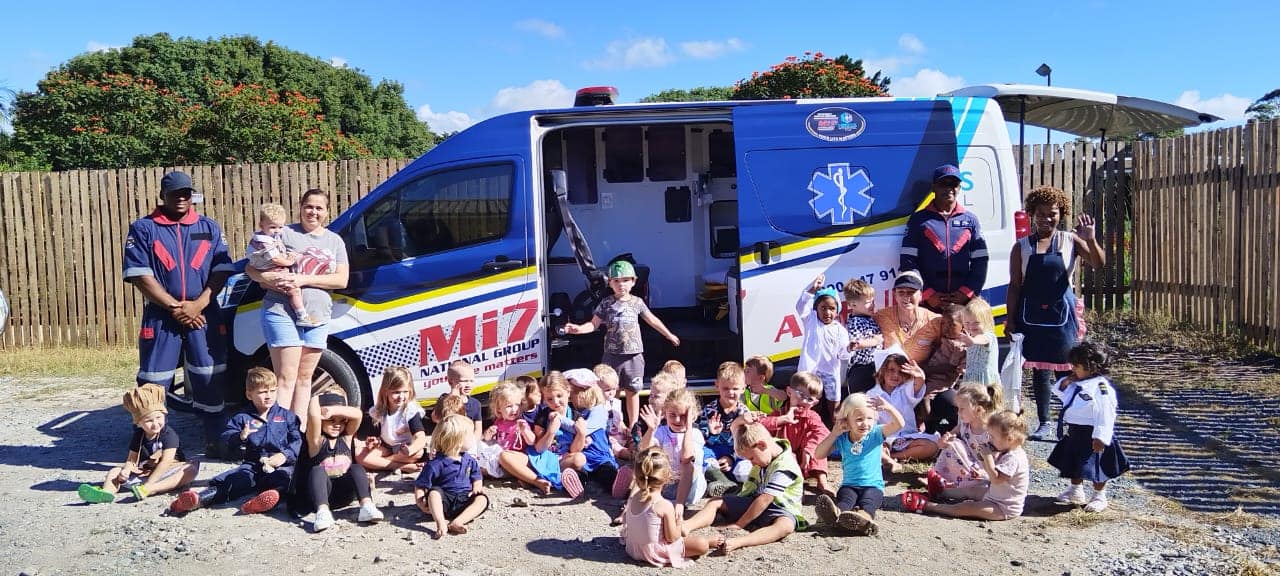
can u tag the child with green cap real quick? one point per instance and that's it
(620, 313)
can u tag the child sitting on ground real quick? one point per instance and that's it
(760, 396)
(900, 382)
(1089, 449)
(864, 335)
(449, 487)
(942, 370)
(268, 439)
(959, 462)
(327, 477)
(617, 428)
(661, 386)
(589, 452)
(461, 378)
(553, 429)
(857, 438)
(683, 444)
(803, 427)
(509, 432)
(826, 342)
(723, 471)
(1000, 498)
(268, 253)
(769, 503)
(155, 463)
(399, 440)
(532, 397)
(651, 530)
(676, 370)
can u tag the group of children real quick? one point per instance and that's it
(749, 451)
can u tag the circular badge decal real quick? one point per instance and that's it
(835, 124)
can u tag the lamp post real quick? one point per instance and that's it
(1047, 72)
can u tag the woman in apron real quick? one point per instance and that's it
(1042, 301)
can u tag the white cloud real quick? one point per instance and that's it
(632, 53)
(536, 94)
(911, 43)
(541, 27)
(442, 122)
(708, 49)
(926, 82)
(337, 62)
(1228, 106)
(95, 46)
(888, 65)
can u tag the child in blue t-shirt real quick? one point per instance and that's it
(858, 436)
(449, 487)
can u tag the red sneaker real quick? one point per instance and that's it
(572, 484)
(263, 502)
(935, 483)
(187, 501)
(622, 482)
(914, 501)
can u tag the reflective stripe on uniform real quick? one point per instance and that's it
(161, 376)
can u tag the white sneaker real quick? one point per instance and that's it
(1072, 495)
(1045, 433)
(323, 521)
(370, 513)
(1098, 503)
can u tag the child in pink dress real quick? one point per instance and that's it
(651, 531)
(960, 462)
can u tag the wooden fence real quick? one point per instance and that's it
(61, 236)
(1207, 230)
(61, 232)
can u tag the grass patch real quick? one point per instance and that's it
(114, 363)
(1077, 518)
(1247, 566)
(1258, 494)
(1174, 531)
(1238, 519)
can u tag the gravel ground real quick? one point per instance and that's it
(61, 432)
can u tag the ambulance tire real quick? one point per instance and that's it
(334, 368)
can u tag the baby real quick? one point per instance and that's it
(268, 253)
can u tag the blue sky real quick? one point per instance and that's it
(464, 61)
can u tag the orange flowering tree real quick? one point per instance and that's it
(251, 123)
(813, 76)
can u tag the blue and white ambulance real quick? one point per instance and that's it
(482, 248)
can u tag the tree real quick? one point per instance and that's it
(1265, 108)
(813, 76)
(186, 72)
(699, 94)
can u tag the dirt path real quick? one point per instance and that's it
(59, 433)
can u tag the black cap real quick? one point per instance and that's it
(175, 181)
(331, 399)
(909, 279)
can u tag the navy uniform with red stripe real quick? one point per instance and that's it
(178, 260)
(945, 244)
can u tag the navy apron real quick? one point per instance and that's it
(1048, 306)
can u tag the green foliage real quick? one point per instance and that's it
(1265, 108)
(699, 94)
(813, 76)
(173, 80)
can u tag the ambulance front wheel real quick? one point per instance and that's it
(335, 370)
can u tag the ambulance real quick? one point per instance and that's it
(484, 247)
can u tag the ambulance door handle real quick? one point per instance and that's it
(502, 263)
(764, 250)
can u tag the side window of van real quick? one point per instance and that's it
(456, 208)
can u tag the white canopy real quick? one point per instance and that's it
(1084, 112)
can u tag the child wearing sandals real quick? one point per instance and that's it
(857, 438)
(327, 477)
(589, 452)
(1088, 450)
(769, 503)
(400, 438)
(554, 433)
(1000, 498)
(959, 462)
(651, 530)
(449, 488)
(155, 463)
(900, 382)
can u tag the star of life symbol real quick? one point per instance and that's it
(838, 194)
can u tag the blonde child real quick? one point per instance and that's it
(683, 444)
(554, 432)
(959, 462)
(589, 452)
(769, 503)
(620, 313)
(449, 488)
(1089, 449)
(661, 386)
(268, 253)
(676, 370)
(724, 471)
(1000, 498)
(156, 463)
(983, 351)
(327, 477)
(857, 437)
(509, 431)
(826, 343)
(803, 427)
(399, 440)
(760, 396)
(607, 380)
(900, 382)
(462, 377)
(651, 530)
(864, 335)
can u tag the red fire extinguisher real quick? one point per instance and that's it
(1021, 224)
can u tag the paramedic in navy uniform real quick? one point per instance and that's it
(178, 260)
(945, 244)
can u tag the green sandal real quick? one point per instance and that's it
(95, 495)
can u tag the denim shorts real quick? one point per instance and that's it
(281, 331)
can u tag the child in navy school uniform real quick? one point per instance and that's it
(1087, 448)
(267, 437)
(449, 488)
